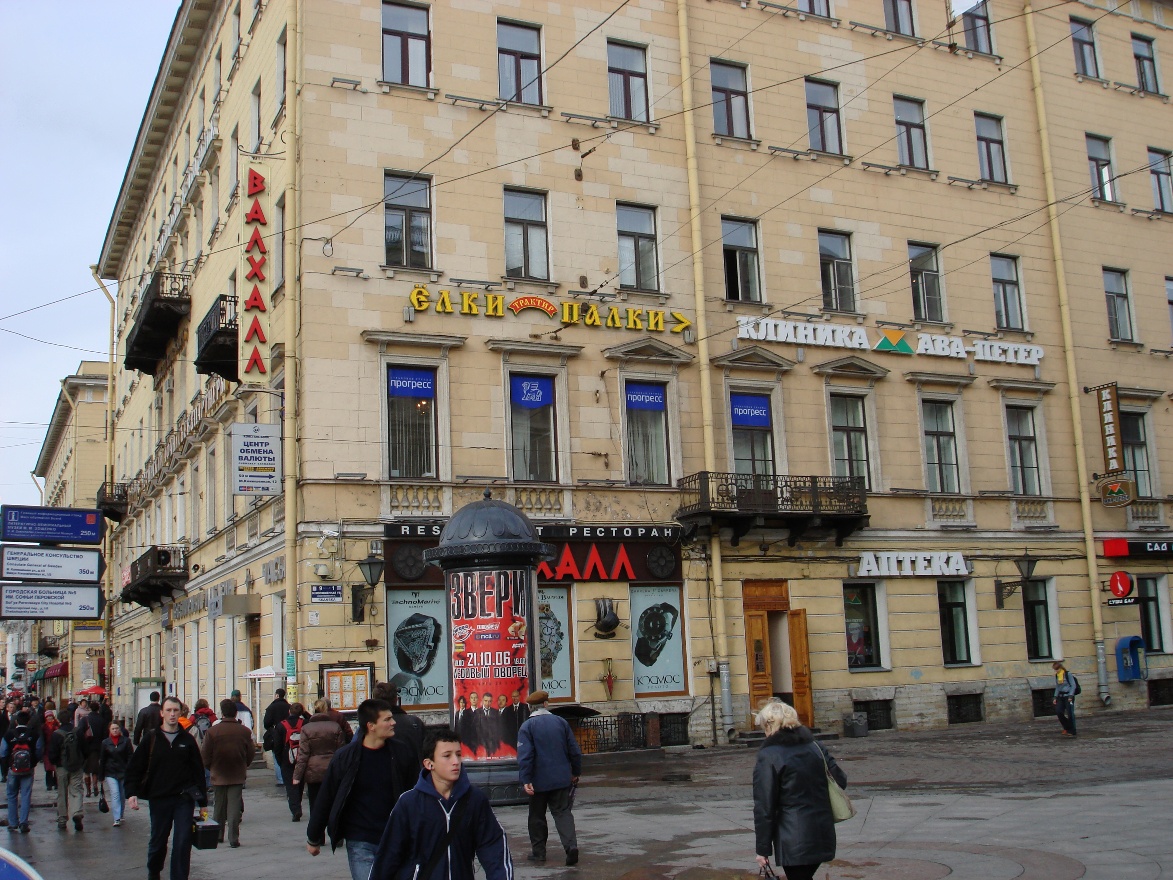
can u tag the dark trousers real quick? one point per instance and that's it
(800, 872)
(170, 817)
(558, 801)
(312, 789)
(292, 792)
(1065, 710)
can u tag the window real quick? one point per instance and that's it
(911, 141)
(927, 301)
(408, 221)
(944, 471)
(953, 606)
(1152, 614)
(838, 278)
(1084, 43)
(525, 235)
(647, 433)
(849, 437)
(637, 247)
(407, 45)
(254, 126)
(1162, 180)
(1036, 609)
(234, 160)
(519, 63)
(822, 116)
(1007, 296)
(210, 488)
(991, 149)
(898, 16)
(1134, 442)
(1099, 162)
(739, 240)
(753, 434)
(1169, 298)
(411, 422)
(627, 78)
(1119, 314)
(217, 75)
(976, 25)
(862, 626)
(236, 30)
(1146, 64)
(279, 73)
(1024, 456)
(815, 7)
(531, 424)
(730, 100)
(278, 246)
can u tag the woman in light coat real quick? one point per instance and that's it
(791, 807)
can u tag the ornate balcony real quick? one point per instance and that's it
(165, 303)
(800, 504)
(156, 575)
(111, 499)
(216, 340)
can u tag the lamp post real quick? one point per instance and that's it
(1026, 569)
(372, 569)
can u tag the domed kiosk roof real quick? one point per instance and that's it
(488, 529)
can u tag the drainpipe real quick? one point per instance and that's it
(698, 290)
(1073, 401)
(108, 540)
(292, 305)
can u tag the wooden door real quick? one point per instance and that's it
(800, 666)
(757, 645)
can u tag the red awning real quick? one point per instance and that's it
(57, 670)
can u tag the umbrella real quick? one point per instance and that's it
(95, 691)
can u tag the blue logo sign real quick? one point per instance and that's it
(531, 392)
(325, 594)
(749, 410)
(52, 525)
(411, 383)
(641, 396)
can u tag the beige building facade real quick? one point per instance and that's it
(775, 319)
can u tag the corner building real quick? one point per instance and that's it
(776, 319)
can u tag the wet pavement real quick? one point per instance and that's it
(980, 801)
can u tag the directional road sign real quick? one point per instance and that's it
(50, 525)
(20, 562)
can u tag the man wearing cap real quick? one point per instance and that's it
(549, 764)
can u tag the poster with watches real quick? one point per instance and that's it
(416, 621)
(657, 642)
(490, 615)
(555, 643)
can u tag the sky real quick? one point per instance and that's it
(74, 80)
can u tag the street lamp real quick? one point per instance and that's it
(371, 568)
(1026, 569)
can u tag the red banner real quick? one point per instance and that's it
(489, 615)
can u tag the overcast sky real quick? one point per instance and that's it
(74, 80)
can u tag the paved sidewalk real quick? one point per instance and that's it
(987, 802)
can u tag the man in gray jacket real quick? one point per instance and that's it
(549, 764)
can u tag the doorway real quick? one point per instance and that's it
(776, 647)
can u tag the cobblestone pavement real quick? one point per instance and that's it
(974, 802)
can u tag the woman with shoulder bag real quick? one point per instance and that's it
(114, 759)
(793, 817)
(321, 737)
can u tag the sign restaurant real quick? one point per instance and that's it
(1108, 412)
(254, 311)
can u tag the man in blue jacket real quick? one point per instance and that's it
(438, 827)
(362, 784)
(549, 763)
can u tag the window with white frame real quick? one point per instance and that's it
(526, 254)
(1119, 310)
(836, 272)
(254, 125)
(519, 63)
(411, 423)
(407, 44)
(210, 487)
(940, 440)
(1040, 617)
(1024, 452)
(865, 625)
(898, 16)
(638, 268)
(277, 254)
(279, 72)
(975, 23)
(730, 100)
(646, 414)
(928, 301)
(991, 148)
(627, 78)
(1008, 313)
(959, 636)
(407, 219)
(532, 427)
(1153, 601)
(1083, 41)
(1134, 443)
(751, 417)
(1099, 161)
(739, 245)
(912, 144)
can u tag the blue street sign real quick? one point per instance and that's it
(13, 867)
(325, 594)
(50, 525)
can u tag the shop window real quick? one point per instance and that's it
(965, 708)
(646, 406)
(879, 713)
(411, 423)
(753, 434)
(532, 428)
(862, 623)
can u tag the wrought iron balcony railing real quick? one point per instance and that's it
(216, 340)
(165, 302)
(111, 499)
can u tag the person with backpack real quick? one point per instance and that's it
(289, 740)
(65, 751)
(276, 712)
(20, 749)
(227, 751)
(148, 718)
(1066, 689)
(114, 758)
(202, 720)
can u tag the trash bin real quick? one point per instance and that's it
(855, 724)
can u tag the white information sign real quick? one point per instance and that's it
(50, 602)
(49, 564)
(256, 459)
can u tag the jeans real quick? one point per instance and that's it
(558, 801)
(361, 856)
(69, 798)
(115, 797)
(22, 786)
(1065, 709)
(171, 817)
(277, 767)
(228, 809)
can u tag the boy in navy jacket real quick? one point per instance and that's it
(438, 827)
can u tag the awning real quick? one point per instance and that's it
(57, 670)
(263, 672)
(40, 675)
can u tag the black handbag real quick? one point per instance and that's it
(103, 807)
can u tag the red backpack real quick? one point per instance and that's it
(292, 740)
